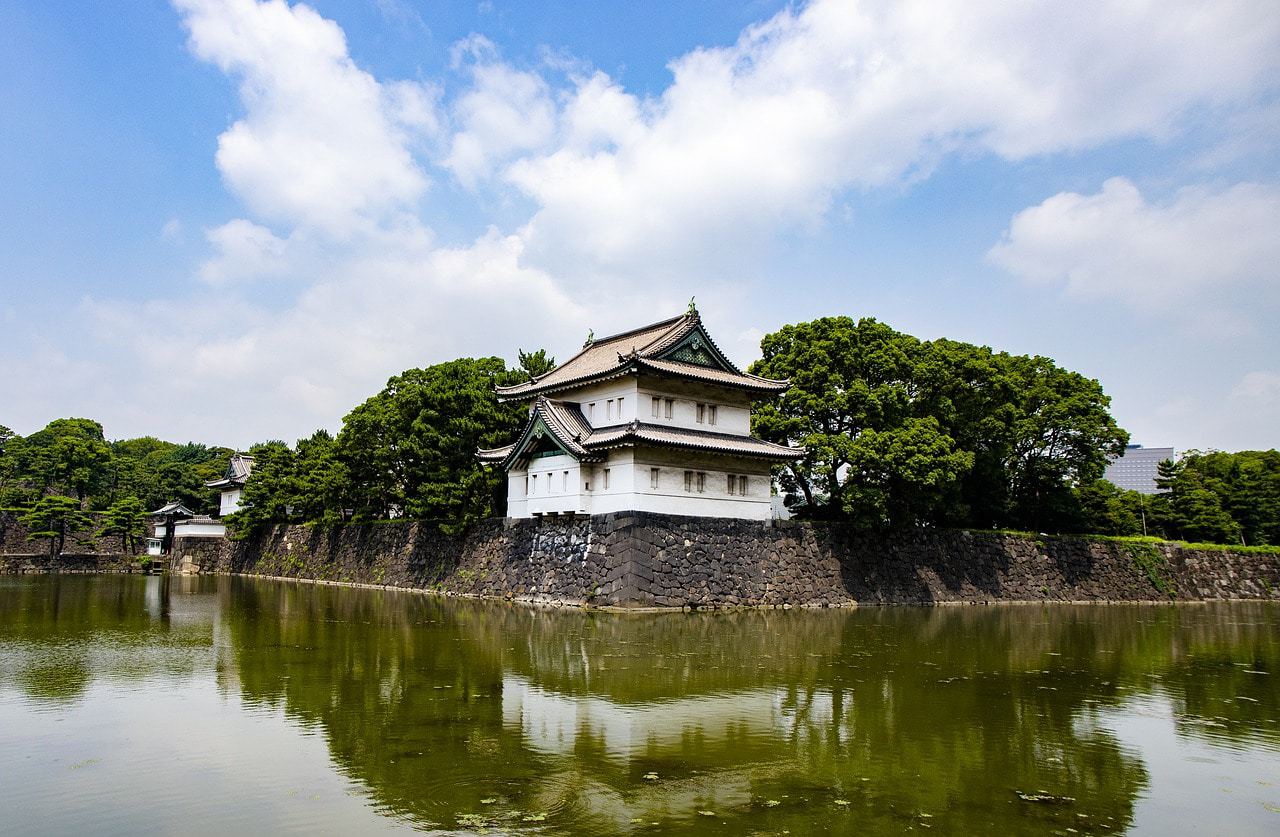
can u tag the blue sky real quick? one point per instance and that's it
(231, 220)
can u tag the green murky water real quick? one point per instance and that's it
(221, 705)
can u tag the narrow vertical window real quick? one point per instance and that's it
(733, 484)
(526, 485)
(606, 479)
(711, 414)
(702, 413)
(742, 486)
(591, 408)
(670, 407)
(564, 482)
(688, 480)
(620, 400)
(702, 482)
(608, 409)
(657, 405)
(533, 484)
(653, 477)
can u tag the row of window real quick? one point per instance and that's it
(664, 407)
(697, 481)
(693, 481)
(660, 408)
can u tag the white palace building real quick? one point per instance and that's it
(655, 419)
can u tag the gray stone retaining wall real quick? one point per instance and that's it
(35, 563)
(648, 560)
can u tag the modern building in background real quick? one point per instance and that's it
(1137, 469)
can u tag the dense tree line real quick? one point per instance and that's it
(1214, 497)
(65, 476)
(408, 451)
(904, 432)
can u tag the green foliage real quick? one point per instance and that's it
(536, 363)
(902, 432)
(127, 518)
(54, 516)
(1221, 497)
(1152, 562)
(410, 449)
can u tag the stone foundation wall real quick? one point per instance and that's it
(94, 562)
(13, 539)
(649, 560)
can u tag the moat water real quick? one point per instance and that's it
(132, 705)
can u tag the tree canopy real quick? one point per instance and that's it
(901, 431)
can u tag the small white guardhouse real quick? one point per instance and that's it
(655, 419)
(231, 486)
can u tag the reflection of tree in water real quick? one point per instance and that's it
(58, 634)
(872, 717)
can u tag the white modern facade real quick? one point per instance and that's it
(654, 419)
(1137, 468)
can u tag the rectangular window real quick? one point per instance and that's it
(742, 486)
(564, 483)
(711, 414)
(526, 485)
(608, 409)
(606, 479)
(591, 409)
(620, 400)
(733, 484)
(586, 486)
(702, 482)
(702, 413)
(670, 407)
(688, 480)
(533, 484)
(653, 477)
(657, 406)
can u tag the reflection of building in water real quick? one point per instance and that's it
(555, 723)
(733, 734)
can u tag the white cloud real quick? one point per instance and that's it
(504, 112)
(322, 143)
(1258, 389)
(1203, 243)
(754, 138)
(245, 250)
(636, 202)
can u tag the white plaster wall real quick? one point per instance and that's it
(229, 502)
(730, 418)
(557, 489)
(199, 530)
(599, 395)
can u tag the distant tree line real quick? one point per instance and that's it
(1214, 497)
(67, 478)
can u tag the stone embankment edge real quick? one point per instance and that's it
(640, 562)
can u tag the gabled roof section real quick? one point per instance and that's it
(237, 473)
(678, 346)
(561, 421)
(174, 508)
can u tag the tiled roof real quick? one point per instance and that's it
(633, 350)
(174, 508)
(683, 437)
(716, 376)
(238, 471)
(566, 424)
